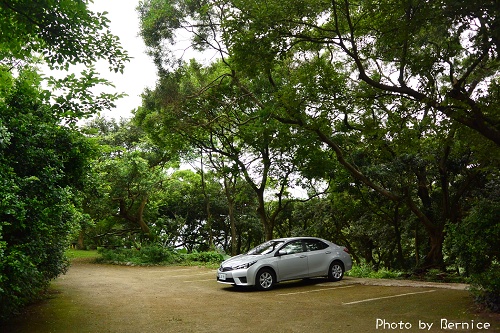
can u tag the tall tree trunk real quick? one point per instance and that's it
(417, 247)
(397, 231)
(266, 223)
(140, 218)
(229, 189)
(207, 206)
(435, 232)
(80, 244)
(232, 223)
(434, 258)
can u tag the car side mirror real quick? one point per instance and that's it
(281, 253)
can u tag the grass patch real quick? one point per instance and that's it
(82, 254)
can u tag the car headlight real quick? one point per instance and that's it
(244, 266)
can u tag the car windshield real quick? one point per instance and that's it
(265, 248)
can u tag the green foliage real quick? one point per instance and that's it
(146, 255)
(211, 257)
(43, 164)
(474, 242)
(42, 167)
(73, 97)
(364, 270)
(124, 190)
(384, 101)
(486, 287)
(157, 254)
(63, 32)
(153, 254)
(361, 271)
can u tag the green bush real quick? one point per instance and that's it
(206, 257)
(385, 273)
(42, 167)
(474, 242)
(364, 270)
(156, 254)
(485, 287)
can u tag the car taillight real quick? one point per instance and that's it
(346, 250)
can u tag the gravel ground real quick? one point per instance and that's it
(108, 298)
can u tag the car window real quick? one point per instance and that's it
(293, 247)
(315, 245)
(265, 248)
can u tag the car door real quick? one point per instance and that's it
(292, 261)
(317, 257)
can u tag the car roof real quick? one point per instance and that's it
(286, 239)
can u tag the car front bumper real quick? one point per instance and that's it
(236, 277)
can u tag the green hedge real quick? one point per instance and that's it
(158, 255)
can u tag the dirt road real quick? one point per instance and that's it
(107, 298)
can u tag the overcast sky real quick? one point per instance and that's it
(140, 72)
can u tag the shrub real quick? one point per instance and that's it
(474, 242)
(364, 270)
(385, 273)
(42, 167)
(211, 257)
(156, 254)
(485, 287)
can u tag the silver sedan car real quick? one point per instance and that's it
(286, 259)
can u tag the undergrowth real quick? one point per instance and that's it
(157, 255)
(364, 270)
(367, 271)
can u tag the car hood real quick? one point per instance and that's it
(242, 259)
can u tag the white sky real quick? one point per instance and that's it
(140, 72)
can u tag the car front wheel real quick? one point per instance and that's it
(265, 279)
(336, 272)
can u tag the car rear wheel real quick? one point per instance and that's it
(336, 272)
(265, 279)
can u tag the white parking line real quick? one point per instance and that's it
(315, 290)
(385, 297)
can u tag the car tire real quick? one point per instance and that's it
(336, 271)
(265, 279)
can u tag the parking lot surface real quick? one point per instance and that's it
(108, 298)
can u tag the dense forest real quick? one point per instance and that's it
(373, 124)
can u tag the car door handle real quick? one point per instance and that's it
(328, 252)
(302, 256)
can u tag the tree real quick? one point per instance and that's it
(61, 34)
(126, 182)
(43, 163)
(42, 168)
(183, 220)
(474, 244)
(399, 79)
(205, 107)
(442, 55)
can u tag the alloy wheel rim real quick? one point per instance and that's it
(266, 280)
(336, 271)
